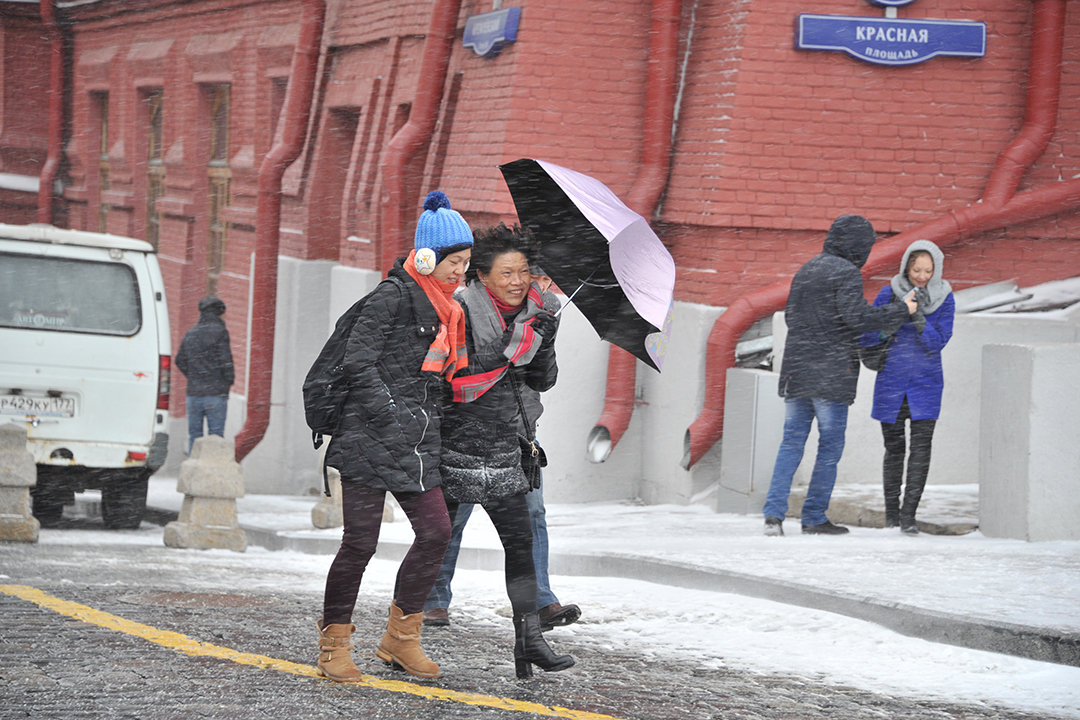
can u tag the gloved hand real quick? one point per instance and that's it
(919, 321)
(546, 325)
(922, 296)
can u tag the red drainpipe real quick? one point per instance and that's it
(999, 207)
(297, 112)
(51, 167)
(417, 132)
(643, 198)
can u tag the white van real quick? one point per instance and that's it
(84, 363)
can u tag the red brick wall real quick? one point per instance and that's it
(24, 72)
(770, 145)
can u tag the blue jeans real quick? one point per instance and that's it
(441, 594)
(832, 424)
(213, 408)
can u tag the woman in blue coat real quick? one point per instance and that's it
(909, 387)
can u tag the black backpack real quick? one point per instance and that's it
(326, 386)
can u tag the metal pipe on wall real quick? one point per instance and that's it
(297, 112)
(51, 168)
(999, 207)
(417, 132)
(643, 198)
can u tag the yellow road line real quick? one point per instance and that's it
(188, 646)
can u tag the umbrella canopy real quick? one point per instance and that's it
(600, 252)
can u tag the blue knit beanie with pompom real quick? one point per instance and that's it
(441, 228)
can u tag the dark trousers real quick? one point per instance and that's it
(918, 464)
(510, 516)
(362, 509)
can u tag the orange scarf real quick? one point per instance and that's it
(447, 353)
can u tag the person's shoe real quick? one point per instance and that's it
(909, 528)
(437, 617)
(335, 658)
(892, 521)
(530, 648)
(825, 528)
(400, 645)
(556, 615)
(774, 527)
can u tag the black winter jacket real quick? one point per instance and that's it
(825, 314)
(389, 436)
(205, 357)
(481, 454)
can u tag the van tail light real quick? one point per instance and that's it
(164, 380)
(133, 456)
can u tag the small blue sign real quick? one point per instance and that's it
(885, 41)
(486, 33)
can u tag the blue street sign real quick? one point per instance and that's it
(885, 41)
(486, 33)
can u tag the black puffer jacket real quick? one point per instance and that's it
(205, 356)
(389, 436)
(825, 314)
(481, 454)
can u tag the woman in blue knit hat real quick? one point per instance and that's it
(407, 344)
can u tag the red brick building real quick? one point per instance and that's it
(172, 106)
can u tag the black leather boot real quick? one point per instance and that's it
(530, 648)
(892, 474)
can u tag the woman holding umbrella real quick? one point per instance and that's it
(909, 386)
(511, 345)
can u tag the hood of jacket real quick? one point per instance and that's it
(937, 289)
(851, 237)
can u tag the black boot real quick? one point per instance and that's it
(530, 648)
(918, 467)
(892, 475)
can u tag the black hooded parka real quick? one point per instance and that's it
(389, 436)
(826, 312)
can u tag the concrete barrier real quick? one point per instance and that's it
(210, 480)
(1029, 448)
(18, 474)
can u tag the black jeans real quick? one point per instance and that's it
(362, 508)
(918, 464)
(510, 516)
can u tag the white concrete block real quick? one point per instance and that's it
(1029, 451)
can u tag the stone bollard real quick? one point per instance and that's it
(211, 480)
(327, 513)
(18, 474)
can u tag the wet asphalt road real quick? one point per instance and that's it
(55, 666)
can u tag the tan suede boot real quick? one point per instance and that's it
(401, 644)
(335, 660)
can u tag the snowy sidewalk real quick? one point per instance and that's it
(1003, 596)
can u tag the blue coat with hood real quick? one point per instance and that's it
(913, 365)
(826, 313)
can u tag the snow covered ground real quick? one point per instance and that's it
(970, 575)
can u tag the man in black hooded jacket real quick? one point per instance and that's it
(825, 314)
(205, 358)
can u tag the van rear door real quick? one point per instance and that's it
(80, 360)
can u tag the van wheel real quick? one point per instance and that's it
(123, 498)
(48, 505)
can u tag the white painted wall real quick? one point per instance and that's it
(645, 465)
(956, 437)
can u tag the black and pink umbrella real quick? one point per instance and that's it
(600, 252)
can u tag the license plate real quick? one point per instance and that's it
(42, 406)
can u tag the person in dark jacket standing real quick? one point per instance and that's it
(511, 342)
(910, 385)
(825, 314)
(408, 342)
(205, 358)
